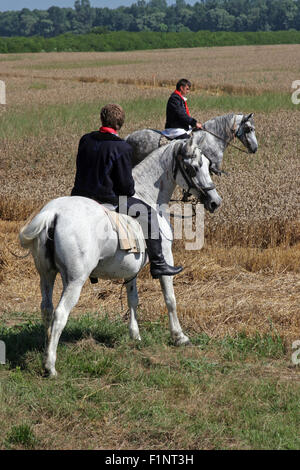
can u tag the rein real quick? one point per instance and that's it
(185, 196)
(18, 256)
(224, 140)
(188, 179)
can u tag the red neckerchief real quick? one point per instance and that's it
(110, 130)
(185, 103)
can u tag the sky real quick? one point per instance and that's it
(45, 4)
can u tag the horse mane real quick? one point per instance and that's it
(221, 125)
(148, 160)
(153, 174)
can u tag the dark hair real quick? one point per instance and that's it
(183, 82)
(112, 115)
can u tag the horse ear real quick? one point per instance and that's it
(179, 146)
(201, 158)
(247, 117)
(192, 139)
(187, 145)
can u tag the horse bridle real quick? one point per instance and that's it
(188, 174)
(242, 131)
(237, 133)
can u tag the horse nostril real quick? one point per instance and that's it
(214, 206)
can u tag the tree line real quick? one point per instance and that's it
(156, 16)
(129, 41)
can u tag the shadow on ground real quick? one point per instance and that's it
(20, 340)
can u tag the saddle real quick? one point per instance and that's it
(168, 135)
(129, 231)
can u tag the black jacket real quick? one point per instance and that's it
(104, 168)
(177, 115)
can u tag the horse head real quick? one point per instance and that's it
(246, 133)
(192, 172)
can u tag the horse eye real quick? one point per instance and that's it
(191, 171)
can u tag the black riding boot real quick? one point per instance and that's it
(158, 265)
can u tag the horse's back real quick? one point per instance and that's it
(80, 227)
(80, 216)
(143, 142)
(73, 205)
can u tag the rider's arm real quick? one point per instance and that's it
(122, 173)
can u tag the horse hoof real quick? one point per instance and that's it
(50, 374)
(135, 336)
(183, 342)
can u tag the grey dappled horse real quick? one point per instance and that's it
(223, 130)
(73, 236)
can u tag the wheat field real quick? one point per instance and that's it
(247, 276)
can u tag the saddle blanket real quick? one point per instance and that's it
(168, 135)
(173, 133)
(130, 234)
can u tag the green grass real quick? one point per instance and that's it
(12, 58)
(38, 86)
(231, 393)
(81, 64)
(83, 117)
(21, 435)
(266, 102)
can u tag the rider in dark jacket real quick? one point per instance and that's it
(103, 167)
(104, 172)
(177, 113)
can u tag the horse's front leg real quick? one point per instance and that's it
(177, 334)
(133, 300)
(166, 283)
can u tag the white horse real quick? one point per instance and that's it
(74, 236)
(216, 135)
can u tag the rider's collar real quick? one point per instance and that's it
(179, 94)
(108, 130)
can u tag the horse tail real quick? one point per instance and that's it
(35, 225)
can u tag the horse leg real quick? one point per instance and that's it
(133, 300)
(166, 283)
(69, 299)
(177, 335)
(47, 283)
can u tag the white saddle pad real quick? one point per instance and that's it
(172, 133)
(130, 233)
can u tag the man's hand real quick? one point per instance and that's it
(198, 125)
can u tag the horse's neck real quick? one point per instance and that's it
(224, 127)
(154, 182)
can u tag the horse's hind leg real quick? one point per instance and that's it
(133, 300)
(68, 300)
(177, 335)
(47, 283)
